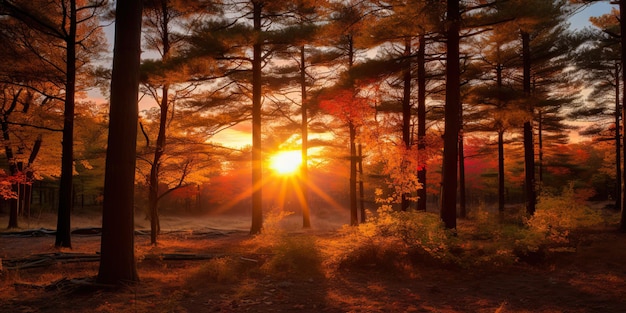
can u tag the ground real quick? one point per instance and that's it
(589, 278)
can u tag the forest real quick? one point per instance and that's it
(312, 155)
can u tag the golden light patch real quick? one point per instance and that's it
(286, 162)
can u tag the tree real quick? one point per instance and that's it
(297, 44)
(622, 18)
(72, 27)
(257, 152)
(20, 172)
(160, 17)
(533, 20)
(397, 29)
(117, 261)
(492, 100)
(453, 102)
(346, 33)
(240, 42)
(600, 65)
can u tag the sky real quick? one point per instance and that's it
(581, 19)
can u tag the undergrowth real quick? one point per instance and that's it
(274, 252)
(403, 241)
(400, 240)
(393, 241)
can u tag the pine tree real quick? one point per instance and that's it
(599, 64)
(160, 19)
(345, 34)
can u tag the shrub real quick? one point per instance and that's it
(294, 255)
(394, 240)
(223, 270)
(557, 216)
(287, 253)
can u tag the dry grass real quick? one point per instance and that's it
(288, 269)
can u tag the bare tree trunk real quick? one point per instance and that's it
(501, 171)
(529, 148)
(421, 122)
(618, 157)
(452, 109)
(8, 151)
(500, 142)
(622, 15)
(361, 188)
(406, 111)
(354, 218)
(540, 144)
(257, 154)
(304, 170)
(153, 193)
(117, 261)
(63, 233)
(462, 190)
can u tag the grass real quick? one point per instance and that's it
(304, 269)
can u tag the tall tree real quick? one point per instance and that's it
(622, 39)
(257, 152)
(600, 66)
(452, 109)
(161, 18)
(297, 43)
(533, 20)
(73, 26)
(117, 261)
(345, 33)
(401, 24)
(622, 18)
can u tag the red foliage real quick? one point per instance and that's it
(347, 106)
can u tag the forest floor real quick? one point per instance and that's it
(590, 277)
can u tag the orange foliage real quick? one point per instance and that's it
(347, 106)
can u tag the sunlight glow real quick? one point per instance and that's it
(286, 162)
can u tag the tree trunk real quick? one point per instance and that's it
(63, 234)
(618, 157)
(501, 170)
(500, 126)
(117, 262)
(8, 151)
(28, 187)
(257, 154)
(304, 170)
(622, 15)
(153, 193)
(361, 188)
(153, 188)
(421, 122)
(354, 218)
(406, 112)
(452, 109)
(462, 190)
(529, 148)
(540, 144)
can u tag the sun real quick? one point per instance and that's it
(286, 162)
